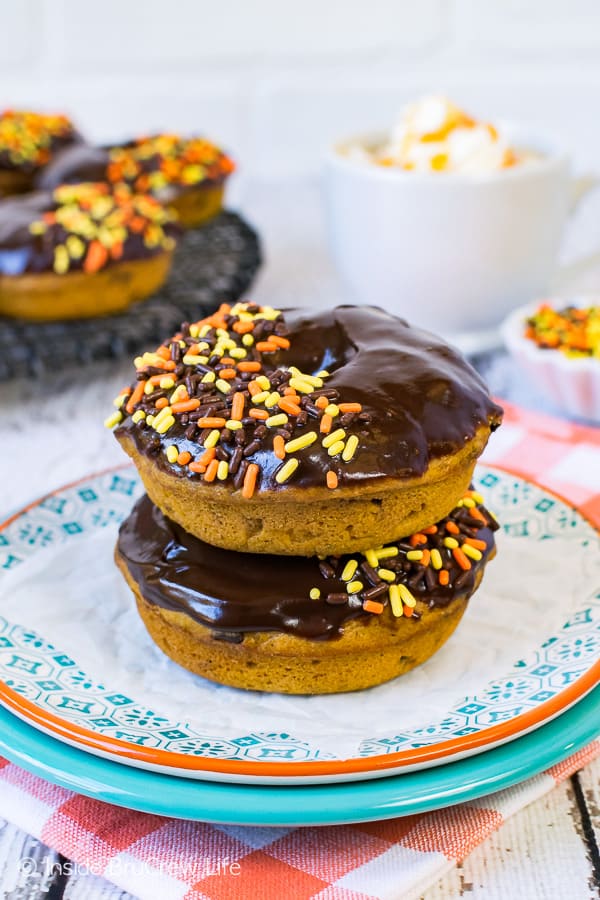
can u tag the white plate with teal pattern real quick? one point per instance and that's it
(77, 663)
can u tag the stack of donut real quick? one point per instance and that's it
(85, 231)
(309, 525)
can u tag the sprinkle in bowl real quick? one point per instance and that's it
(571, 381)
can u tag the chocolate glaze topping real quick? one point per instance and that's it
(235, 593)
(420, 400)
(23, 251)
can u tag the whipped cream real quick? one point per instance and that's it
(435, 135)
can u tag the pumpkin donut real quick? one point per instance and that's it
(304, 433)
(28, 141)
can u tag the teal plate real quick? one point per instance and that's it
(327, 804)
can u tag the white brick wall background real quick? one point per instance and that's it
(277, 81)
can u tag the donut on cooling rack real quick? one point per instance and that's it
(28, 141)
(301, 625)
(296, 432)
(81, 251)
(186, 174)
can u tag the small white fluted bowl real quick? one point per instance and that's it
(573, 383)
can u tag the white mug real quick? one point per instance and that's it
(451, 252)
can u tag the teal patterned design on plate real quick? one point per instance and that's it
(53, 681)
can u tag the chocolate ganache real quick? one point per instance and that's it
(418, 399)
(233, 593)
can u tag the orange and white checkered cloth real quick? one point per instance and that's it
(155, 857)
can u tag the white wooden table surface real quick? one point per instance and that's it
(51, 433)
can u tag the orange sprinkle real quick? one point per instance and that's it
(279, 341)
(161, 403)
(197, 467)
(227, 374)
(211, 422)
(332, 480)
(211, 470)
(156, 379)
(96, 257)
(426, 557)
(169, 365)
(326, 423)
(477, 515)
(350, 407)
(254, 388)
(432, 529)
(184, 458)
(417, 539)
(162, 351)
(443, 577)
(243, 327)
(373, 606)
(279, 446)
(290, 392)
(227, 361)
(266, 347)
(138, 393)
(461, 559)
(237, 406)
(184, 406)
(289, 406)
(259, 414)
(208, 456)
(473, 542)
(407, 612)
(249, 365)
(452, 528)
(250, 481)
(322, 402)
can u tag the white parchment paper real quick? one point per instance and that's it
(75, 598)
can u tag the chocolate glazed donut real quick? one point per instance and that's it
(410, 413)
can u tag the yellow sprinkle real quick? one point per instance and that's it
(165, 424)
(222, 385)
(477, 497)
(150, 420)
(305, 387)
(323, 374)
(138, 362)
(193, 359)
(149, 388)
(473, 552)
(37, 228)
(386, 552)
(222, 470)
(349, 570)
(178, 394)
(167, 382)
(260, 398)
(301, 442)
(451, 543)
(204, 330)
(247, 340)
(414, 555)
(216, 351)
(436, 559)
(314, 594)
(386, 574)
(113, 419)
(407, 597)
(350, 448)
(61, 260)
(287, 470)
(227, 344)
(335, 436)
(120, 400)
(164, 413)
(264, 382)
(220, 332)
(468, 502)
(233, 424)
(238, 353)
(138, 416)
(395, 601)
(272, 399)
(336, 448)
(332, 410)
(212, 439)
(194, 331)
(75, 246)
(276, 420)
(172, 453)
(312, 379)
(208, 378)
(354, 587)
(371, 558)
